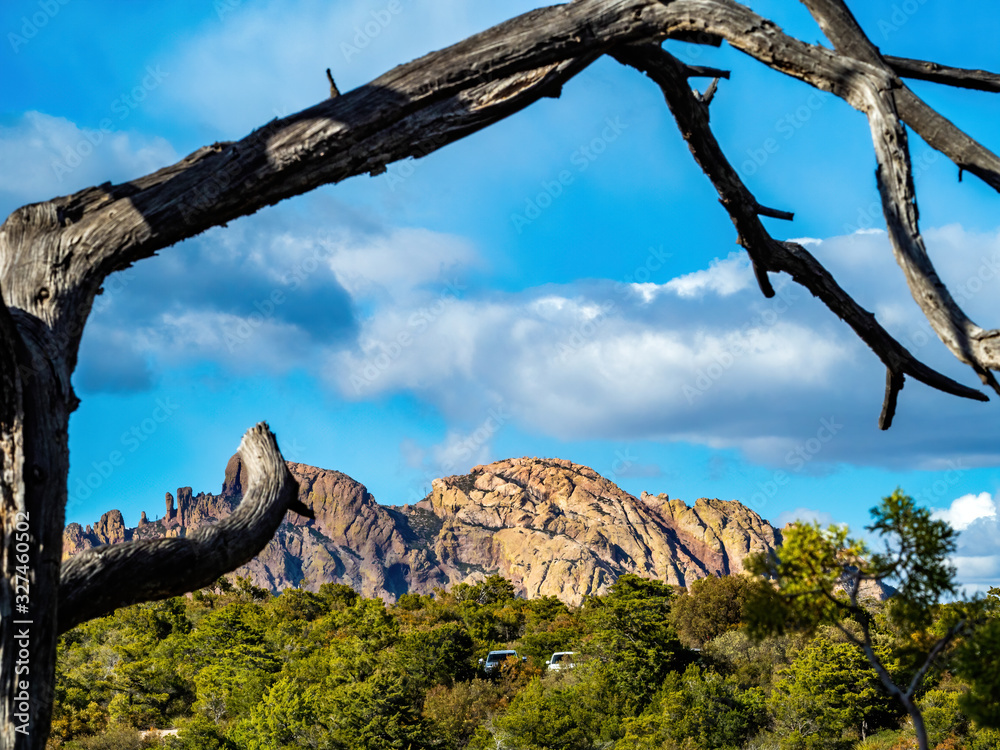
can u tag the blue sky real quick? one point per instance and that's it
(562, 284)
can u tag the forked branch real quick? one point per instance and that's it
(971, 344)
(766, 253)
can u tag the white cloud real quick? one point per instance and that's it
(966, 509)
(400, 261)
(723, 277)
(596, 360)
(45, 156)
(977, 560)
(975, 569)
(460, 451)
(379, 313)
(583, 365)
(244, 344)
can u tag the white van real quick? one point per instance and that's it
(561, 660)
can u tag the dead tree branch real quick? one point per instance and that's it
(766, 253)
(102, 579)
(922, 70)
(971, 344)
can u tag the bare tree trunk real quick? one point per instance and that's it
(33, 440)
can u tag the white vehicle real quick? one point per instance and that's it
(493, 659)
(561, 660)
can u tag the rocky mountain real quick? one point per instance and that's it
(551, 526)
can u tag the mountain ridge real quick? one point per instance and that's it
(551, 526)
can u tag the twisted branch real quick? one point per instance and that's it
(101, 579)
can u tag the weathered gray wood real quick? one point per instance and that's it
(102, 579)
(969, 343)
(923, 70)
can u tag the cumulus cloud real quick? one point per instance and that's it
(722, 277)
(966, 509)
(781, 380)
(573, 365)
(270, 293)
(396, 263)
(375, 312)
(45, 156)
(977, 560)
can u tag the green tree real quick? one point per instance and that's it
(115, 738)
(377, 714)
(829, 697)
(198, 733)
(631, 633)
(231, 662)
(976, 662)
(557, 712)
(751, 662)
(710, 607)
(287, 718)
(338, 595)
(435, 657)
(697, 709)
(818, 576)
(494, 590)
(454, 713)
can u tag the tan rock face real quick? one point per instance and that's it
(551, 526)
(558, 528)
